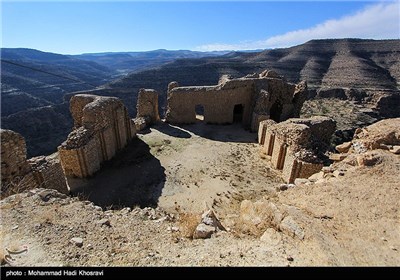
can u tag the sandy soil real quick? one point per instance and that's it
(351, 219)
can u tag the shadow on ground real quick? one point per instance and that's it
(171, 130)
(224, 133)
(133, 177)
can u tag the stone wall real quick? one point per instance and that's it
(297, 146)
(13, 156)
(19, 174)
(147, 105)
(248, 100)
(48, 173)
(102, 127)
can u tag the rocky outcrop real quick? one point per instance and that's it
(209, 224)
(102, 127)
(248, 100)
(371, 146)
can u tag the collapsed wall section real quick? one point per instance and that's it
(146, 108)
(19, 174)
(48, 172)
(297, 146)
(13, 156)
(102, 127)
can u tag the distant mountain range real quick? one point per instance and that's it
(368, 66)
(126, 62)
(31, 78)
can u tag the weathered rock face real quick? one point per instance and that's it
(102, 127)
(297, 146)
(19, 174)
(248, 100)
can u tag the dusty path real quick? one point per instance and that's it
(214, 165)
(187, 166)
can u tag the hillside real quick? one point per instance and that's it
(31, 78)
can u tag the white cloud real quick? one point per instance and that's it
(379, 21)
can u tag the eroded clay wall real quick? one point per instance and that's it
(48, 173)
(13, 156)
(147, 105)
(264, 96)
(218, 103)
(81, 161)
(295, 146)
(19, 174)
(104, 128)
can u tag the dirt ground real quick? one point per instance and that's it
(152, 193)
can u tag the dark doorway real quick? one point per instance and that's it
(276, 111)
(199, 109)
(238, 113)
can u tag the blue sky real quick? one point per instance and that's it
(72, 27)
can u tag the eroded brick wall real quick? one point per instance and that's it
(296, 146)
(19, 174)
(102, 128)
(260, 97)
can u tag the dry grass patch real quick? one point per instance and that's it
(188, 223)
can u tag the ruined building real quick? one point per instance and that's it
(101, 128)
(19, 173)
(248, 100)
(296, 146)
(147, 108)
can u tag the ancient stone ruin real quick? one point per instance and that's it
(19, 174)
(102, 127)
(247, 100)
(296, 146)
(263, 102)
(147, 108)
